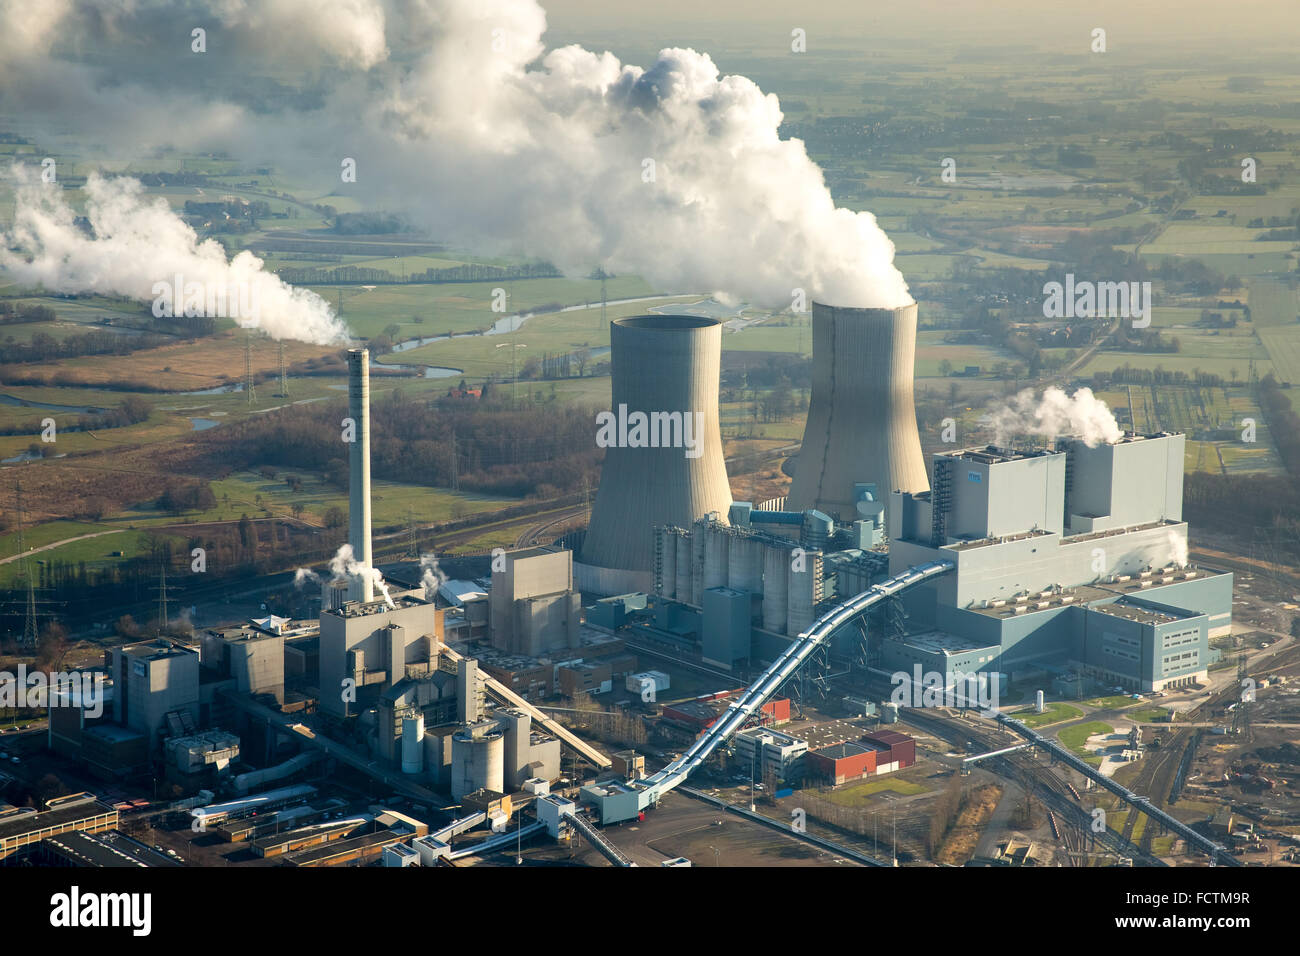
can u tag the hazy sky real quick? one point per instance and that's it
(1049, 23)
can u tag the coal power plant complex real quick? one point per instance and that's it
(468, 688)
(502, 454)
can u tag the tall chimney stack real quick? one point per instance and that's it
(359, 469)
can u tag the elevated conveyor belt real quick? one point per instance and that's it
(778, 673)
(606, 849)
(505, 695)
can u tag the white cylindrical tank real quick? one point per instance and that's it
(745, 564)
(776, 588)
(478, 761)
(716, 553)
(413, 744)
(662, 438)
(683, 567)
(666, 584)
(804, 591)
(862, 414)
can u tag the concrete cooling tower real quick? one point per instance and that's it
(861, 417)
(663, 447)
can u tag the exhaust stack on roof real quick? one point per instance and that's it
(862, 415)
(360, 588)
(665, 367)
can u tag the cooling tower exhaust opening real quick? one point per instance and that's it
(862, 413)
(671, 470)
(359, 471)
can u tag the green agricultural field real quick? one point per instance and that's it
(463, 306)
(479, 357)
(1273, 303)
(91, 550)
(790, 339)
(930, 357)
(250, 493)
(1215, 238)
(1208, 361)
(1283, 345)
(1248, 263)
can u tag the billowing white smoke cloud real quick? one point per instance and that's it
(1081, 415)
(352, 30)
(432, 576)
(1178, 545)
(672, 171)
(137, 243)
(344, 565)
(485, 139)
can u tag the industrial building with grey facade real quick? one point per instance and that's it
(1070, 561)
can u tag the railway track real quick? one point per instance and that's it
(530, 536)
(1070, 818)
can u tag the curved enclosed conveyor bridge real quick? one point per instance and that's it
(778, 673)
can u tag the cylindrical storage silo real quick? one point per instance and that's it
(745, 564)
(478, 761)
(413, 744)
(804, 591)
(683, 542)
(666, 584)
(699, 540)
(776, 588)
(716, 554)
(662, 440)
(862, 414)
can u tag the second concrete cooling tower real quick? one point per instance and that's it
(663, 456)
(861, 417)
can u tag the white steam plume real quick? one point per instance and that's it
(1178, 545)
(432, 577)
(305, 576)
(136, 243)
(344, 565)
(1056, 415)
(482, 136)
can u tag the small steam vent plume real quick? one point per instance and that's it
(432, 576)
(1178, 548)
(862, 414)
(1055, 415)
(663, 445)
(305, 576)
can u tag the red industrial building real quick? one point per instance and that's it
(703, 711)
(881, 752)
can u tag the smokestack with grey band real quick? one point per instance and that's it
(361, 587)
